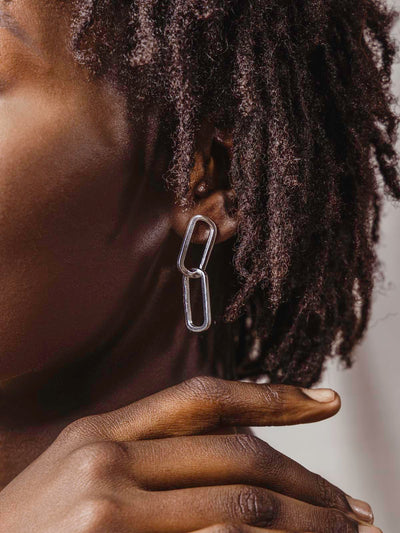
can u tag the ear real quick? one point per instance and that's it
(210, 188)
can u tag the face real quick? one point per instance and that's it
(66, 157)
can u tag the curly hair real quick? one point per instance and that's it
(304, 88)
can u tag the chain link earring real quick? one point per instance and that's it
(197, 273)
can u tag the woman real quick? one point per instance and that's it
(120, 122)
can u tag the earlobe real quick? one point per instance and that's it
(219, 206)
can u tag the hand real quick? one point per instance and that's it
(150, 467)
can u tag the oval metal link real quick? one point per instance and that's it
(205, 294)
(191, 273)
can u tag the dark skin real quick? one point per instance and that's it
(73, 270)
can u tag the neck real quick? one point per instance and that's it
(142, 353)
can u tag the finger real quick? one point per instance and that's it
(197, 508)
(228, 460)
(239, 528)
(204, 404)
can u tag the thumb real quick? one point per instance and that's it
(204, 404)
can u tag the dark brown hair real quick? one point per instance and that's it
(304, 87)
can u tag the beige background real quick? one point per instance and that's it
(359, 449)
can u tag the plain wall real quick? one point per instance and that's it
(359, 449)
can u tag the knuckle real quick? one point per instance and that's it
(330, 495)
(79, 430)
(96, 460)
(253, 506)
(73, 432)
(205, 387)
(250, 443)
(274, 396)
(97, 515)
(207, 396)
(259, 455)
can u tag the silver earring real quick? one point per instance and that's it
(196, 273)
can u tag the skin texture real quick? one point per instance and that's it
(63, 171)
(83, 324)
(147, 468)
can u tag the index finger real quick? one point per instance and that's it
(205, 404)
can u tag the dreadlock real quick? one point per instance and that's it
(304, 87)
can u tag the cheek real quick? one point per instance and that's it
(61, 177)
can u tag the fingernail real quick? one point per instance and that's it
(361, 509)
(320, 395)
(369, 529)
